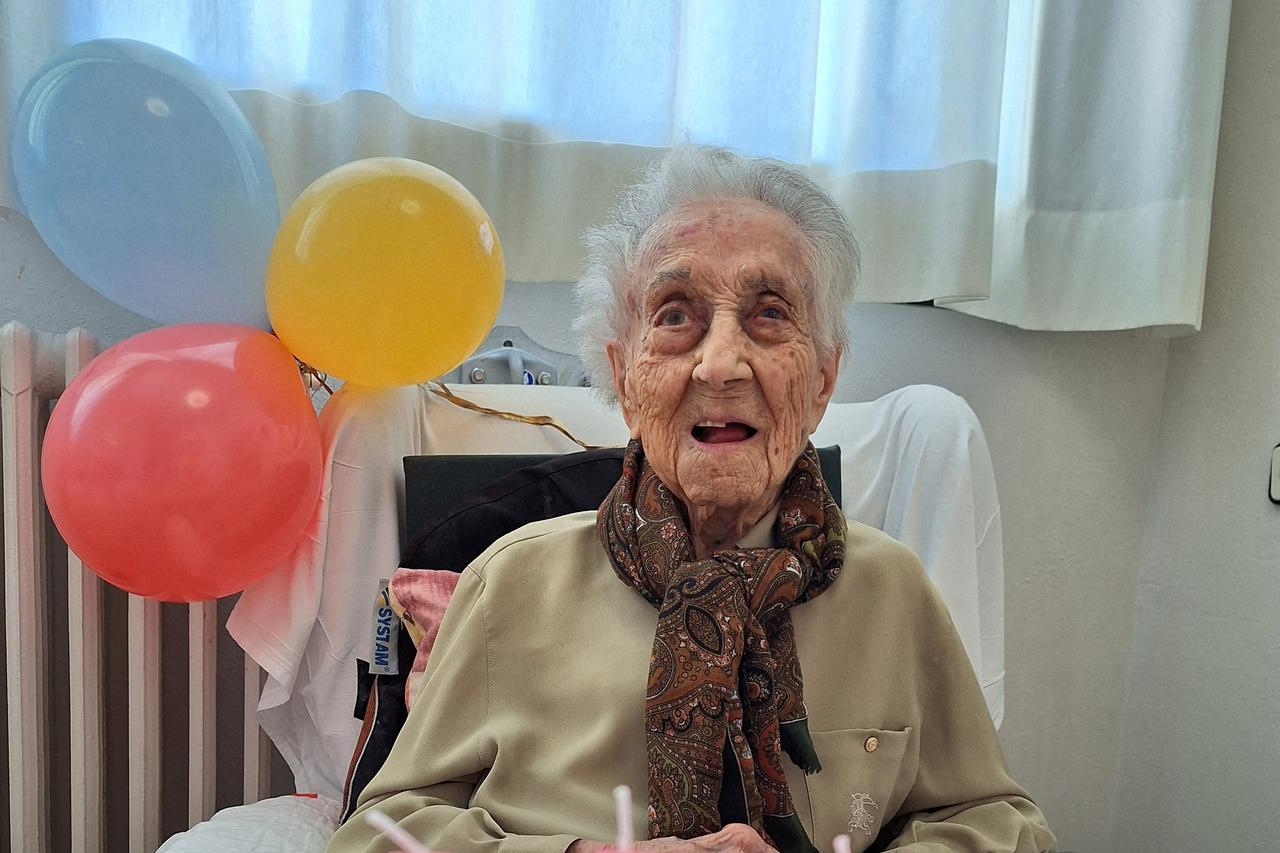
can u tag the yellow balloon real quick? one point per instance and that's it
(384, 272)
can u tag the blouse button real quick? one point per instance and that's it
(872, 744)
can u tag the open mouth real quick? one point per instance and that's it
(717, 432)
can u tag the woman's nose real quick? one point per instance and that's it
(723, 354)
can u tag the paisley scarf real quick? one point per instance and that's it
(724, 678)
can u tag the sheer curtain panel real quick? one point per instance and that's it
(1045, 164)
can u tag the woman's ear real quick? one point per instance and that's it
(618, 369)
(828, 372)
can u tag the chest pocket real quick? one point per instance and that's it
(857, 791)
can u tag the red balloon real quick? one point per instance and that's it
(184, 463)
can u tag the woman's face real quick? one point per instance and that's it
(718, 374)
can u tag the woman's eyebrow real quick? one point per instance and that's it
(663, 277)
(758, 281)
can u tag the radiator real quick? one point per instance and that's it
(89, 670)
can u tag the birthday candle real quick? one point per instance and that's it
(622, 802)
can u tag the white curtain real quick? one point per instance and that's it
(1043, 163)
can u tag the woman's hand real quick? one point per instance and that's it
(734, 838)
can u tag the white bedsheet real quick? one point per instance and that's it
(913, 463)
(278, 825)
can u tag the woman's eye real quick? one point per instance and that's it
(674, 317)
(772, 312)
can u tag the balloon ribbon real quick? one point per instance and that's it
(442, 390)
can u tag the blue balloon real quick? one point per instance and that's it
(146, 180)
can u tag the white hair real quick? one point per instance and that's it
(692, 173)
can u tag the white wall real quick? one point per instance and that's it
(1200, 757)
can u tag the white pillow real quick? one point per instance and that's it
(281, 825)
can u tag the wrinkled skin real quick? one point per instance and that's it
(721, 330)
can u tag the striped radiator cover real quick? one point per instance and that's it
(89, 670)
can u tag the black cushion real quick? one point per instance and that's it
(448, 530)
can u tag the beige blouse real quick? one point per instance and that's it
(532, 710)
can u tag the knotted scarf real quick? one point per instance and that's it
(724, 677)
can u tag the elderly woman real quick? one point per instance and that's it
(717, 636)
